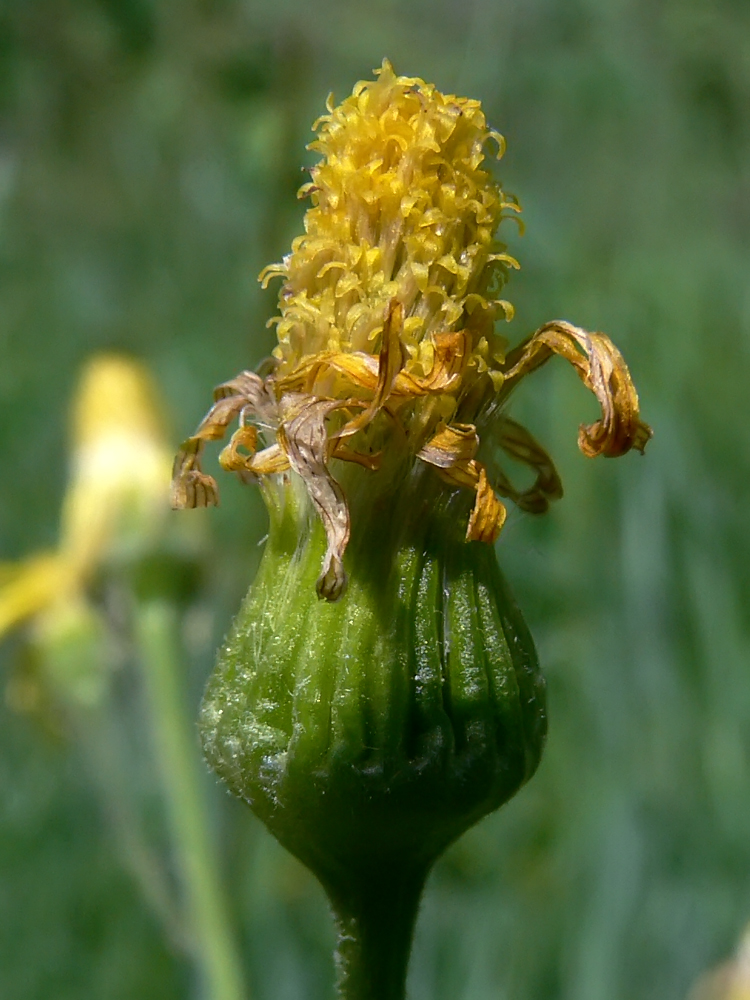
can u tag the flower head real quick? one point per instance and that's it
(403, 209)
(115, 504)
(369, 730)
(387, 354)
(119, 465)
(117, 491)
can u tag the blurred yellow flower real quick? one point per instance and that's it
(730, 981)
(119, 481)
(117, 494)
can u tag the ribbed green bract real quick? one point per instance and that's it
(370, 733)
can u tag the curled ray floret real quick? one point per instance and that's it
(386, 330)
(306, 437)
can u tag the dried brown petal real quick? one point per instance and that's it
(375, 373)
(191, 487)
(602, 369)
(488, 516)
(451, 450)
(517, 442)
(255, 392)
(267, 462)
(304, 438)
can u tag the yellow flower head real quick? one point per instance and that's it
(120, 461)
(117, 491)
(387, 354)
(402, 209)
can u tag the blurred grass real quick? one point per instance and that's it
(149, 156)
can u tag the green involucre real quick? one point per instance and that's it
(370, 733)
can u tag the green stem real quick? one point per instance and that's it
(375, 924)
(176, 746)
(106, 754)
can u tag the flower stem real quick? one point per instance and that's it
(106, 753)
(176, 747)
(375, 923)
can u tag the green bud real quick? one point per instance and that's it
(69, 648)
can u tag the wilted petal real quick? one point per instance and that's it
(304, 438)
(190, 486)
(452, 451)
(452, 445)
(267, 462)
(517, 442)
(340, 451)
(451, 356)
(247, 392)
(382, 374)
(357, 369)
(390, 363)
(392, 354)
(488, 516)
(231, 458)
(602, 369)
(252, 388)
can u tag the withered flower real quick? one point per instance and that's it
(387, 350)
(370, 729)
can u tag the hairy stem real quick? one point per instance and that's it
(375, 923)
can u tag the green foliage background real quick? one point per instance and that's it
(150, 151)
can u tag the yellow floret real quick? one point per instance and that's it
(401, 209)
